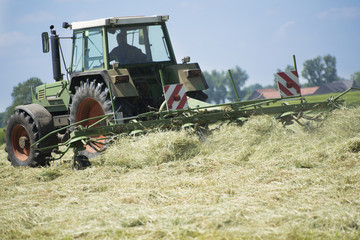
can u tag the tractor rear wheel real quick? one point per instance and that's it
(91, 99)
(21, 132)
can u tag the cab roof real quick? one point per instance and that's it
(113, 21)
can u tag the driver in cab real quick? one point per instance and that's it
(125, 53)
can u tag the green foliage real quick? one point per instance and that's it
(220, 86)
(2, 136)
(3, 119)
(21, 94)
(320, 70)
(356, 77)
(329, 74)
(217, 91)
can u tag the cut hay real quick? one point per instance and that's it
(258, 181)
(152, 149)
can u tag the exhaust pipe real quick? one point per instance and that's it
(55, 54)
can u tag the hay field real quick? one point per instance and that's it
(258, 181)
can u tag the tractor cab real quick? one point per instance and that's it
(125, 44)
(131, 55)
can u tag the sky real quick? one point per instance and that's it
(259, 36)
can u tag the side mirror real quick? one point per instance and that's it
(45, 42)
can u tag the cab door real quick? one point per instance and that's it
(88, 50)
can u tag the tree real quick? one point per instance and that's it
(2, 122)
(21, 94)
(356, 78)
(320, 70)
(330, 69)
(220, 86)
(217, 91)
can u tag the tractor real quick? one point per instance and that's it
(124, 79)
(118, 65)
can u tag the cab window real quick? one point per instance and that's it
(77, 58)
(94, 54)
(136, 45)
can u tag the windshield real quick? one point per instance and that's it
(134, 45)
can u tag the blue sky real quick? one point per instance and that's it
(260, 36)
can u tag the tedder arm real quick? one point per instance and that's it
(195, 116)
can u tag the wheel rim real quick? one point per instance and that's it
(89, 108)
(20, 142)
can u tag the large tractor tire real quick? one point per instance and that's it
(26, 126)
(90, 99)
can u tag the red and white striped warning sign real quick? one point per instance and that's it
(288, 83)
(175, 96)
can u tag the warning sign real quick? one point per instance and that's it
(288, 83)
(175, 96)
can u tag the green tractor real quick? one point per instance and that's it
(118, 65)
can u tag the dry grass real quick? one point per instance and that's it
(259, 181)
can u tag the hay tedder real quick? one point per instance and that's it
(124, 79)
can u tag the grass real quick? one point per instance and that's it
(258, 181)
(351, 98)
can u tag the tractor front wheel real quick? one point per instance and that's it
(91, 99)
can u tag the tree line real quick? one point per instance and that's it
(21, 94)
(316, 71)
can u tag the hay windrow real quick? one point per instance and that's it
(152, 149)
(258, 181)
